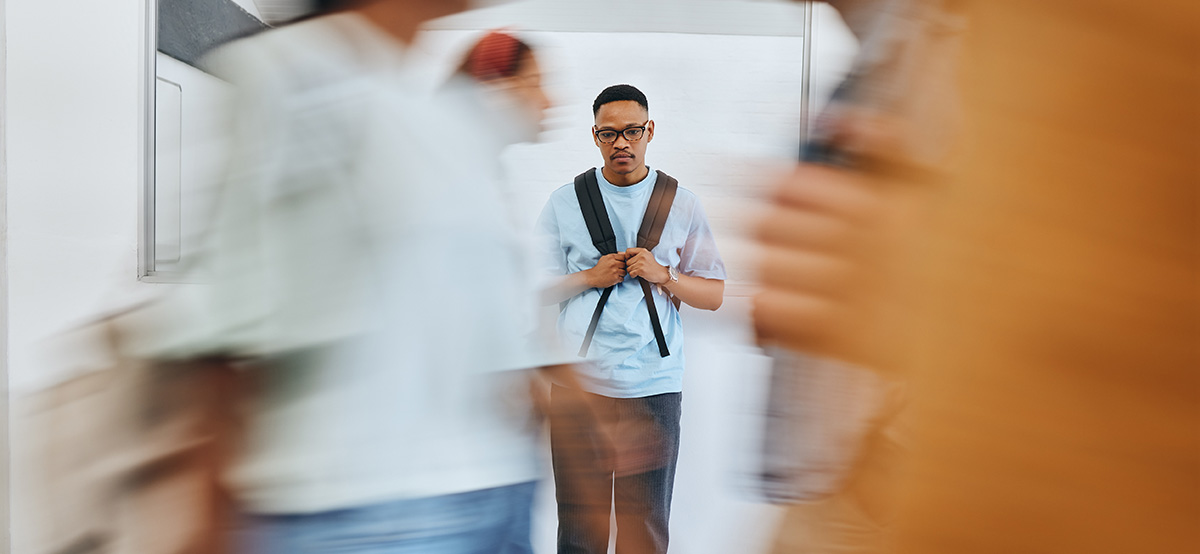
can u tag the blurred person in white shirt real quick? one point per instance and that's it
(392, 415)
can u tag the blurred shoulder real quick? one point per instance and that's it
(316, 49)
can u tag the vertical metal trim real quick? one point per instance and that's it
(145, 266)
(5, 401)
(806, 77)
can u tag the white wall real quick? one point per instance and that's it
(725, 108)
(833, 51)
(72, 118)
(73, 77)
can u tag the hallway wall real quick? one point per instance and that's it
(73, 104)
(73, 107)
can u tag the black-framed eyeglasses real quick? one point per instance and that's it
(631, 134)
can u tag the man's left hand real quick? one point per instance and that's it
(641, 263)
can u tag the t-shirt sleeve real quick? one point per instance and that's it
(700, 257)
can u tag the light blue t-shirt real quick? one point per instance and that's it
(624, 355)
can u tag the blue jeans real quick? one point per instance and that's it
(490, 521)
(642, 502)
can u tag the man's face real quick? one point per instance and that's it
(623, 156)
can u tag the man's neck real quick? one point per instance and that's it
(627, 179)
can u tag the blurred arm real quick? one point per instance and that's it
(567, 287)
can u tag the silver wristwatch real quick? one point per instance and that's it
(674, 278)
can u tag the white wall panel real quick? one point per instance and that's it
(189, 161)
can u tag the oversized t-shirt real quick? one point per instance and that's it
(624, 356)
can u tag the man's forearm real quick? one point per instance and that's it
(698, 292)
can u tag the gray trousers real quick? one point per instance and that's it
(642, 502)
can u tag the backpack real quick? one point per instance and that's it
(591, 203)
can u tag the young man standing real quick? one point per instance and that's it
(634, 338)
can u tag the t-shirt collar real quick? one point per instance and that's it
(648, 182)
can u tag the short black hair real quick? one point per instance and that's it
(620, 93)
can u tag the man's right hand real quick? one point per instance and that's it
(609, 271)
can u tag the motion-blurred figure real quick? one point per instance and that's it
(364, 270)
(1043, 302)
(498, 84)
(625, 245)
(511, 93)
(836, 434)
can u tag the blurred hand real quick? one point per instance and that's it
(828, 243)
(634, 446)
(641, 263)
(609, 271)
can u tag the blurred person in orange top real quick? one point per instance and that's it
(1041, 298)
(834, 259)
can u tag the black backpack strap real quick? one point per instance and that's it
(595, 216)
(648, 236)
(591, 204)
